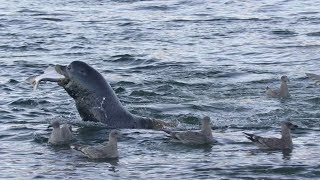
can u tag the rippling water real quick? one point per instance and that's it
(174, 60)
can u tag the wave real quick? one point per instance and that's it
(51, 19)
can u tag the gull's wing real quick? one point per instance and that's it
(90, 151)
(66, 132)
(270, 143)
(272, 93)
(314, 77)
(190, 137)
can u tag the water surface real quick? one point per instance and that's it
(173, 60)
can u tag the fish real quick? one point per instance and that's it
(49, 74)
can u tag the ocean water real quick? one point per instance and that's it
(174, 60)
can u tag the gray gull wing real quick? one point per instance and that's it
(314, 77)
(268, 143)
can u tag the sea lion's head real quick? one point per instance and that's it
(80, 78)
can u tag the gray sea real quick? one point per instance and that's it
(174, 60)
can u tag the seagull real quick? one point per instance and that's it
(101, 151)
(314, 77)
(285, 142)
(204, 136)
(283, 92)
(60, 135)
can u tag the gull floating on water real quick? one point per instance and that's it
(285, 142)
(204, 136)
(101, 151)
(283, 92)
(60, 135)
(314, 77)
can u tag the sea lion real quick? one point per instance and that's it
(96, 101)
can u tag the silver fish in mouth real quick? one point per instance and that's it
(49, 74)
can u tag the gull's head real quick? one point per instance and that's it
(114, 134)
(289, 125)
(206, 119)
(55, 124)
(284, 79)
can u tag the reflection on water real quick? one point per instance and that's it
(286, 154)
